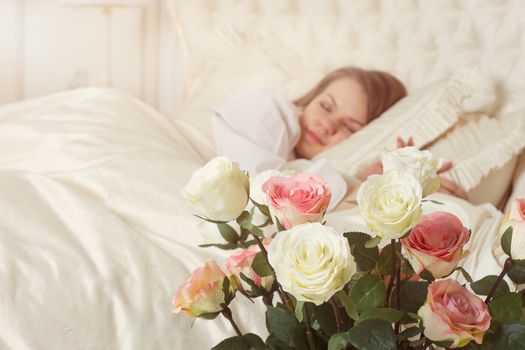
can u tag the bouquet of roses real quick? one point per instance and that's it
(329, 290)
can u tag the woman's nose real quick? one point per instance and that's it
(329, 125)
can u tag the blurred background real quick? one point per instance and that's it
(47, 46)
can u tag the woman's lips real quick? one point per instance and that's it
(312, 137)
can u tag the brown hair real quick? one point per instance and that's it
(381, 88)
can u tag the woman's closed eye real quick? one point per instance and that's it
(347, 128)
(326, 106)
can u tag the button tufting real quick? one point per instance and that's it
(418, 39)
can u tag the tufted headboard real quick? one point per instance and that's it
(418, 40)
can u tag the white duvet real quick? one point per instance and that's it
(95, 237)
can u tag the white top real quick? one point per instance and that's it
(259, 131)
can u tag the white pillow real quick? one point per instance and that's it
(246, 63)
(484, 151)
(423, 114)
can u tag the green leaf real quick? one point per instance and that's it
(228, 233)
(228, 246)
(210, 220)
(299, 310)
(324, 314)
(418, 343)
(349, 306)
(465, 274)
(391, 315)
(255, 289)
(261, 266)
(506, 308)
(412, 294)
(228, 295)
(512, 337)
(365, 258)
(209, 315)
(444, 343)
(278, 224)
(410, 332)
(373, 242)
(406, 268)
(298, 335)
(246, 342)
(517, 274)
(233, 343)
(520, 262)
(245, 221)
(432, 201)
(279, 322)
(352, 201)
(339, 341)
(385, 263)
(506, 241)
(483, 286)
(373, 334)
(426, 275)
(262, 208)
(276, 344)
(368, 292)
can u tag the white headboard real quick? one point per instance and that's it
(417, 40)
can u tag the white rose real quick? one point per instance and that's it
(421, 163)
(311, 261)
(218, 190)
(390, 203)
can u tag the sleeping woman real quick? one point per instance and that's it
(263, 131)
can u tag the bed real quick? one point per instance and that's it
(95, 235)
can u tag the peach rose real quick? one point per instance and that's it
(297, 199)
(436, 244)
(242, 263)
(202, 293)
(515, 218)
(452, 313)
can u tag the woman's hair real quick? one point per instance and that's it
(381, 88)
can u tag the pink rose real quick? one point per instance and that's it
(297, 199)
(202, 293)
(515, 218)
(452, 313)
(242, 263)
(436, 244)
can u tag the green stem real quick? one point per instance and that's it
(228, 314)
(337, 314)
(309, 334)
(506, 268)
(398, 291)
(284, 297)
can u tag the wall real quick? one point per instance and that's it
(46, 47)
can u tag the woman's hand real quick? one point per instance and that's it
(450, 187)
(401, 143)
(374, 168)
(377, 166)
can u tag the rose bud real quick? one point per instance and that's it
(242, 263)
(515, 218)
(202, 294)
(218, 190)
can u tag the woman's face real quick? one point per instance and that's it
(332, 116)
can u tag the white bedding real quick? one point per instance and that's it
(96, 238)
